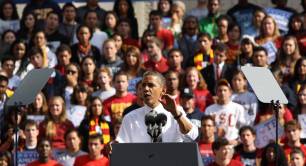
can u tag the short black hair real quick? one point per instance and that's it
(220, 47)
(7, 58)
(219, 142)
(62, 48)
(260, 48)
(96, 136)
(208, 117)
(69, 4)
(204, 34)
(156, 13)
(245, 128)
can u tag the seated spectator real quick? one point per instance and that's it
(229, 116)
(195, 82)
(95, 123)
(244, 97)
(56, 124)
(94, 157)
(207, 137)
(73, 148)
(223, 152)
(104, 84)
(247, 153)
(44, 150)
(269, 156)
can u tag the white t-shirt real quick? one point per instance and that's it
(230, 117)
(250, 104)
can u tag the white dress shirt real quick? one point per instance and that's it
(134, 129)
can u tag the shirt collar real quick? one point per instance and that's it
(158, 108)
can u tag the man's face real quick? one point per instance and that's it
(64, 58)
(69, 13)
(213, 6)
(293, 133)
(175, 59)
(8, 66)
(220, 56)
(52, 21)
(224, 153)
(247, 138)
(187, 103)
(44, 149)
(31, 132)
(172, 82)
(208, 128)
(121, 83)
(91, 20)
(37, 60)
(205, 44)
(223, 93)
(95, 147)
(155, 21)
(152, 90)
(153, 50)
(3, 87)
(260, 59)
(73, 141)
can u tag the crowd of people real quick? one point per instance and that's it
(186, 65)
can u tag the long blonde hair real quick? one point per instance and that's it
(50, 121)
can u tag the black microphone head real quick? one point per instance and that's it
(150, 118)
(161, 119)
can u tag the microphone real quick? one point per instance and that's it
(161, 119)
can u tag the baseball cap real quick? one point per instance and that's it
(187, 93)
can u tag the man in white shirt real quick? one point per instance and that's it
(229, 116)
(177, 127)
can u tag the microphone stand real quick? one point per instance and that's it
(276, 106)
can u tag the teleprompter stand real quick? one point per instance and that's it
(267, 90)
(25, 94)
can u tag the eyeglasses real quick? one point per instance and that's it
(71, 72)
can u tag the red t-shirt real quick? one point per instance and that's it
(114, 106)
(166, 36)
(288, 150)
(86, 161)
(49, 163)
(57, 141)
(206, 152)
(203, 98)
(232, 163)
(161, 66)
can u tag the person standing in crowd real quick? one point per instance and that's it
(31, 132)
(297, 157)
(200, 11)
(165, 35)
(91, 5)
(246, 152)
(172, 85)
(73, 150)
(187, 101)
(269, 155)
(115, 105)
(208, 24)
(94, 157)
(157, 62)
(68, 25)
(223, 152)
(8, 65)
(175, 58)
(260, 57)
(293, 135)
(229, 115)
(177, 128)
(63, 53)
(44, 150)
(207, 137)
(219, 69)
